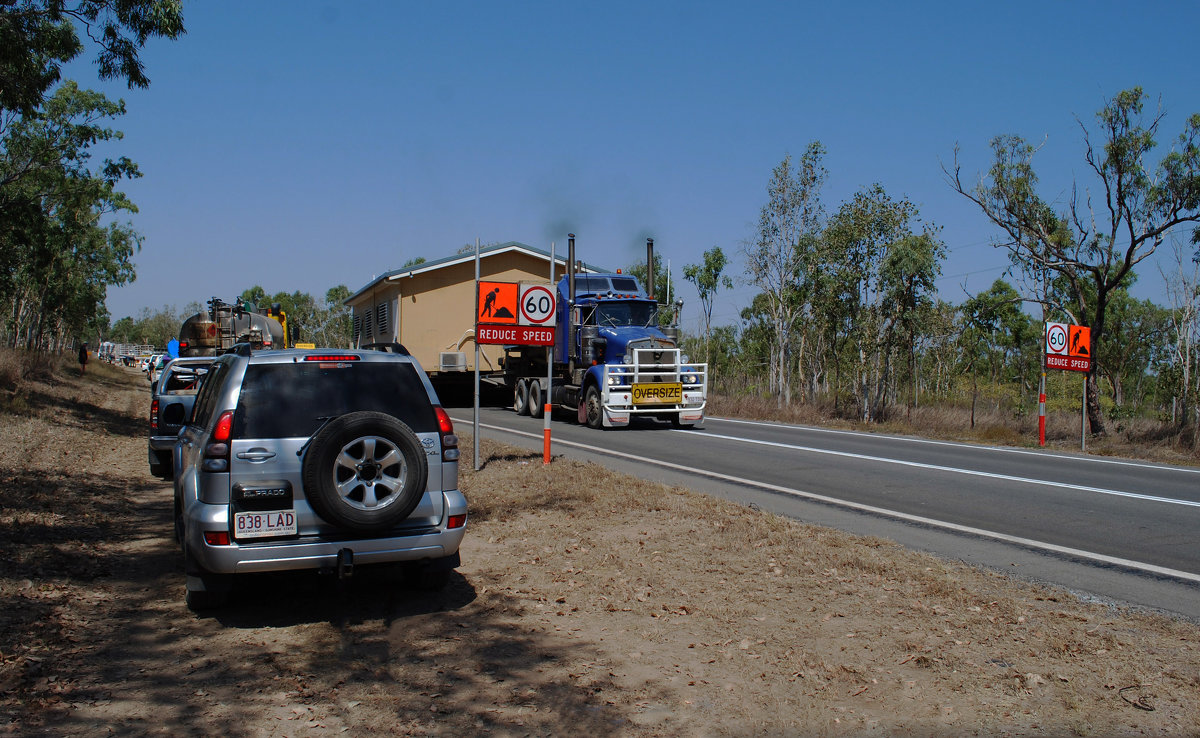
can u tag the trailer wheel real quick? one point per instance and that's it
(535, 407)
(521, 397)
(593, 407)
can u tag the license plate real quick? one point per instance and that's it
(658, 393)
(264, 524)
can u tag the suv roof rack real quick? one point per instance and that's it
(391, 348)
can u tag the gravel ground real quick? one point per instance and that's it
(637, 609)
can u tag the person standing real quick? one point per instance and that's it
(83, 358)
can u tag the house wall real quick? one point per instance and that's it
(434, 311)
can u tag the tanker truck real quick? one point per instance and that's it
(611, 360)
(216, 330)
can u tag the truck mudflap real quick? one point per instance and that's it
(656, 383)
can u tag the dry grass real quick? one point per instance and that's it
(769, 618)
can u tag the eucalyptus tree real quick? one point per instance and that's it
(37, 37)
(908, 274)
(60, 253)
(1097, 238)
(995, 336)
(334, 325)
(777, 259)
(1183, 298)
(881, 263)
(707, 278)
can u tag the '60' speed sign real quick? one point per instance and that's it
(537, 303)
(1056, 338)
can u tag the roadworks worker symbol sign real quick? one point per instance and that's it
(497, 303)
(1080, 342)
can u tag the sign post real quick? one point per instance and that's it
(475, 423)
(1068, 347)
(549, 409)
(519, 314)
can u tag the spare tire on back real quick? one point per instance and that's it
(365, 472)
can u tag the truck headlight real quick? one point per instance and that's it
(683, 359)
(691, 379)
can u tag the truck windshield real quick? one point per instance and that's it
(626, 313)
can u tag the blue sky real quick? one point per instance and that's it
(304, 145)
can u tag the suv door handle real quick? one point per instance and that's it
(256, 454)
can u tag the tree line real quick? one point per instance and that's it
(61, 239)
(847, 313)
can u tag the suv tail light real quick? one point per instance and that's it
(449, 440)
(154, 414)
(216, 453)
(331, 357)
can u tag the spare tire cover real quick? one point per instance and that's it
(365, 472)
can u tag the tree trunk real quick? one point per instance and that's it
(1095, 416)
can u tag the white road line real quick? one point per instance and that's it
(1027, 542)
(955, 444)
(956, 470)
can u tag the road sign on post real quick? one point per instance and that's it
(497, 303)
(537, 303)
(515, 314)
(1068, 347)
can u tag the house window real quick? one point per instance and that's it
(382, 328)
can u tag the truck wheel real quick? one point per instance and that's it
(365, 472)
(521, 398)
(593, 407)
(535, 407)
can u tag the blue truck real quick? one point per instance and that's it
(612, 359)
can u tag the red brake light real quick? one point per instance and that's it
(456, 521)
(331, 357)
(224, 427)
(154, 414)
(216, 538)
(445, 425)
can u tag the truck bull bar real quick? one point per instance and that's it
(633, 387)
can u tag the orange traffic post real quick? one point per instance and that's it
(546, 437)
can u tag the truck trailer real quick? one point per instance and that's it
(214, 331)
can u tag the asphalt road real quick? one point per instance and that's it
(1121, 531)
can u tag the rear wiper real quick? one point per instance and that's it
(324, 422)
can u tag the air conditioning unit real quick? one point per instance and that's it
(452, 361)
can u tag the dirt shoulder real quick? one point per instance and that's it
(638, 610)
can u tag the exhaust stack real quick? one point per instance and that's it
(571, 299)
(650, 268)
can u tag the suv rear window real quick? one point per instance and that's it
(292, 400)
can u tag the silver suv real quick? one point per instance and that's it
(315, 459)
(172, 397)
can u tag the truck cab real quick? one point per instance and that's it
(613, 359)
(629, 363)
